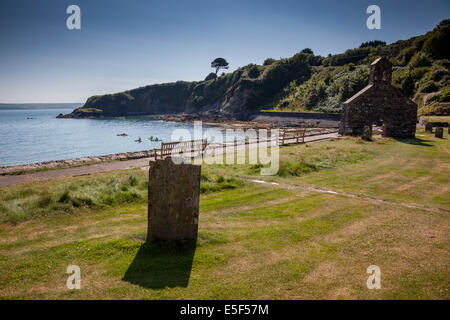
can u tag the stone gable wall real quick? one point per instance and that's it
(380, 102)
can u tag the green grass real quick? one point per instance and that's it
(282, 210)
(317, 158)
(294, 232)
(248, 196)
(210, 184)
(90, 110)
(67, 196)
(407, 170)
(256, 241)
(437, 118)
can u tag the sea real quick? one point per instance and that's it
(36, 135)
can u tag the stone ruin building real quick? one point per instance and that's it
(377, 103)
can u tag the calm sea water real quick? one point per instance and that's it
(45, 138)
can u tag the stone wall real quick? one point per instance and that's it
(379, 102)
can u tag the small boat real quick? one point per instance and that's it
(122, 135)
(138, 140)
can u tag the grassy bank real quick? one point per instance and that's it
(68, 196)
(437, 118)
(292, 239)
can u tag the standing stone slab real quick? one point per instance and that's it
(173, 201)
(367, 133)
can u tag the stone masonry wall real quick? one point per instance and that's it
(379, 102)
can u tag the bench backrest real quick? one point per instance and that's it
(168, 148)
(298, 133)
(294, 132)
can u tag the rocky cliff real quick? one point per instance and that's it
(237, 93)
(304, 82)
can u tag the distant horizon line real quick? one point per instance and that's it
(19, 103)
(39, 105)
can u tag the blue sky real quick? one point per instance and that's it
(127, 44)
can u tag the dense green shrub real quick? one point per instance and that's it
(211, 76)
(405, 56)
(351, 55)
(427, 86)
(209, 184)
(373, 43)
(437, 44)
(268, 61)
(325, 91)
(407, 85)
(350, 66)
(282, 72)
(419, 60)
(253, 71)
(407, 78)
(350, 83)
(307, 50)
(445, 96)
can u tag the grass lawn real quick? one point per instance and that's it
(437, 118)
(310, 232)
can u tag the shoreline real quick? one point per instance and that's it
(317, 124)
(75, 162)
(143, 163)
(123, 156)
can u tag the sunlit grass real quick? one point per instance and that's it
(256, 240)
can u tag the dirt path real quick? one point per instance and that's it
(10, 180)
(294, 186)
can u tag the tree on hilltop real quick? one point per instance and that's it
(219, 63)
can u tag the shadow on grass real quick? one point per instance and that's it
(159, 266)
(415, 141)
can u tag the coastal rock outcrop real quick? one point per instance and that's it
(303, 82)
(237, 93)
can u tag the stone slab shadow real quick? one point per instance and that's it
(158, 266)
(165, 260)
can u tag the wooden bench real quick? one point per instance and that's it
(180, 147)
(288, 134)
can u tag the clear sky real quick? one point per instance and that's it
(125, 44)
